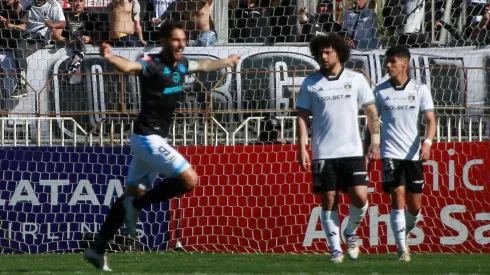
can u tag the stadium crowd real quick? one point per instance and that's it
(28, 25)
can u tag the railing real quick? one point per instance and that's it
(66, 131)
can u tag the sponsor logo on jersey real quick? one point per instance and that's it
(333, 97)
(173, 90)
(411, 98)
(397, 107)
(387, 98)
(176, 77)
(166, 71)
(347, 86)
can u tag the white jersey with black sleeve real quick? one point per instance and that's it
(401, 109)
(334, 102)
(37, 16)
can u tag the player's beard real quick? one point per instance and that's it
(169, 54)
(327, 68)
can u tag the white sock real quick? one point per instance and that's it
(411, 221)
(398, 225)
(355, 217)
(330, 222)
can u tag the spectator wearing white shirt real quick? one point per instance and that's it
(42, 17)
(160, 6)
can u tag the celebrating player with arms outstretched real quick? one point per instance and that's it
(162, 79)
(333, 96)
(401, 101)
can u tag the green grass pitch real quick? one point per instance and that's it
(206, 263)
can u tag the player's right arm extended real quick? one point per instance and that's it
(123, 65)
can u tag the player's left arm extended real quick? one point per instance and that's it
(430, 120)
(209, 65)
(373, 123)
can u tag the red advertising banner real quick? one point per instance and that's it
(256, 199)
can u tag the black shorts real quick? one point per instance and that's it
(338, 174)
(408, 173)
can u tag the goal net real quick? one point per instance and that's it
(65, 144)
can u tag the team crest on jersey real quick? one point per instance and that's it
(348, 86)
(411, 98)
(176, 77)
(166, 71)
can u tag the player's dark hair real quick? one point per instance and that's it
(398, 51)
(168, 27)
(334, 41)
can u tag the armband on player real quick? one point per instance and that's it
(428, 141)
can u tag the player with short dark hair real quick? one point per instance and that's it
(162, 80)
(401, 101)
(333, 96)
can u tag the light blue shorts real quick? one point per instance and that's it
(152, 155)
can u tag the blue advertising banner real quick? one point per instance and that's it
(51, 197)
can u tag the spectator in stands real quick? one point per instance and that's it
(360, 24)
(202, 17)
(124, 23)
(271, 132)
(319, 23)
(160, 6)
(42, 17)
(410, 28)
(80, 30)
(9, 13)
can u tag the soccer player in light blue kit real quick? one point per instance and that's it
(402, 102)
(162, 81)
(333, 96)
